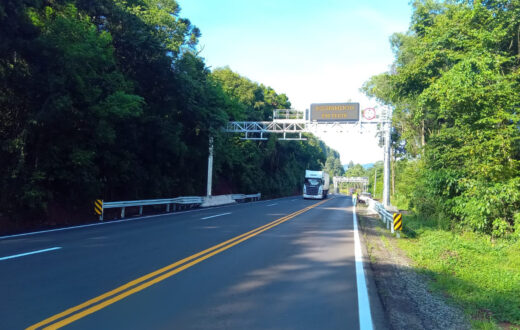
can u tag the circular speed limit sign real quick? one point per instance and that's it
(369, 113)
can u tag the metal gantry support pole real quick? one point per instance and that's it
(210, 167)
(386, 189)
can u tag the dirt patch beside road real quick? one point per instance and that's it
(407, 300)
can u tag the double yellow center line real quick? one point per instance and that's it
(95, 304)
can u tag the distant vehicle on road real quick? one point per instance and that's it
(364, 197)
(316, 185)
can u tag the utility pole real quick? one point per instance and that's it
(386, 187)
(210, 167)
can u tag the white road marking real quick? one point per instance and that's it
(272, 204)
(29, 253)
(214, 216)
(365, 317)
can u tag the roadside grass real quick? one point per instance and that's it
(477, 273)
(370, 248)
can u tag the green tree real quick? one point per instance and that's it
(109, 99)
(81, 98)
(272, 167)
(454, 87)
(356, 170)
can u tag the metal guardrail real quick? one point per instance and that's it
(386, 217)
(242, 197)
(171, 203)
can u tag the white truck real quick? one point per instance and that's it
(316, 185)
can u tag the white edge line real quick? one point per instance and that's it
(272, 204)
(365, 316)
(214, 216)
(29, 253)
(127, 220)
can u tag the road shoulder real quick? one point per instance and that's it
(404, 294)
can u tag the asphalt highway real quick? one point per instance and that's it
(287, 263)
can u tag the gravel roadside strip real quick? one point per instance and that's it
(407, 300)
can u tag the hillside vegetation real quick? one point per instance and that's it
(110, 99)
(454, 87)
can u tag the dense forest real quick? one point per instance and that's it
(110, 99)
(454, 87)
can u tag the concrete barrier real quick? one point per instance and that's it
(217, 200)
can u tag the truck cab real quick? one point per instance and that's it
(316, 185)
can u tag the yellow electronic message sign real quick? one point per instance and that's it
(331, 112)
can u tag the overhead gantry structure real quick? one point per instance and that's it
(257, 130)
(291, 124)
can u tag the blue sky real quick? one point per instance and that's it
(313, 51)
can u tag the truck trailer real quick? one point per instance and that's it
(316, 185)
